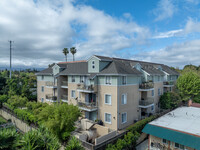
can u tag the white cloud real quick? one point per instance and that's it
(165, 9)
(175, 55)
(192, 26)
(41, 30)
(168, 34)
(195, 2)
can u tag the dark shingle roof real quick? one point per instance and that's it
(169, 70)
(47, 71)
(75, 68)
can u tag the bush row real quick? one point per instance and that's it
(25, 115)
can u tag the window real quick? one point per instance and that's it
(124, 80)
(73, 78)
(152, 108)
(73, 95)
(158, 78)
(108, 118)
(108, 99)
(42, 100)
(124, 98)
(79, 94)
(42, 77)
(179, 146)
(42, 88)
(108, 80)
(170, 89)
(82, 79)
(152, 93)
(124, 117)
(159, 92)
(164, 141)
(93, 64)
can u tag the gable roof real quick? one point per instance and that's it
(47, 71)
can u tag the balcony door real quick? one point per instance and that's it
(87, 98)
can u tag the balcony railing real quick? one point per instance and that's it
(87, 106)
(168, 83)
(64, 83)
(64, 98)
(51, 98)
(146, 102)
(50, 84)
(85, 88)
(146, 85)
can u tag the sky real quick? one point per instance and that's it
(162, 31)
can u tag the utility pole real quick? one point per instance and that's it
(11, 57)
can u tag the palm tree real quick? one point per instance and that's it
(73, 51)
(65, 52)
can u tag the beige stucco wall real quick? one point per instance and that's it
(18, 123)
(157, 85)
(47, 91)
(105, 108)
(131, 108)
(169, 145)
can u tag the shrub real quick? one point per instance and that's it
(138, 126)
(2, 120)
(40, 139)
(8, 138)
(25, 115)
(17, 101)
(74, 144)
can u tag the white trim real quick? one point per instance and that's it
(126, 118)
(110, 99)
(55, 65)
(110, 80)
(92, 57)
(126, 98)
(110, 118)
(166, 73)
(74, 95)
(145, 72)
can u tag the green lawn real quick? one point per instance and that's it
(2, 120)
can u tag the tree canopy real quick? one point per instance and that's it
(188, 85)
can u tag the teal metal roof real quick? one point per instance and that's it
(171, 135)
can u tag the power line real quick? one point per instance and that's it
(11, 57)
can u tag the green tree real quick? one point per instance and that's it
(169, 100)
(40, 139)
(3, 98)
(73, 51)
(8, 138)
(59, 118)
(65, 52)
(17, 101)
(188, 85)
(74, 144)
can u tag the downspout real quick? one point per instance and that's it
(117, 104)
(98, 98)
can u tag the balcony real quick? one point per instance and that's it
(64, 98)
(51, 98)
(50, 85)
(85, 88)
(64, 84)
(146, 103)
(168, 84)
(87, 106)
(146, 86)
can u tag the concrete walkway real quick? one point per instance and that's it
(143, 145)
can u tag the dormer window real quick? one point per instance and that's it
(73, 78)
(81, 79)
(93, 64)
(108, 80)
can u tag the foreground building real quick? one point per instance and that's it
(177, 130)
(115, 91)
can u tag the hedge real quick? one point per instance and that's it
(138, 126)
(25, 115)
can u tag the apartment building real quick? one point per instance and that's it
(116, 91)
(177, 130)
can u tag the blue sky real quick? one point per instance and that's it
(163, 31)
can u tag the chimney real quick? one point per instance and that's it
(189, 103)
